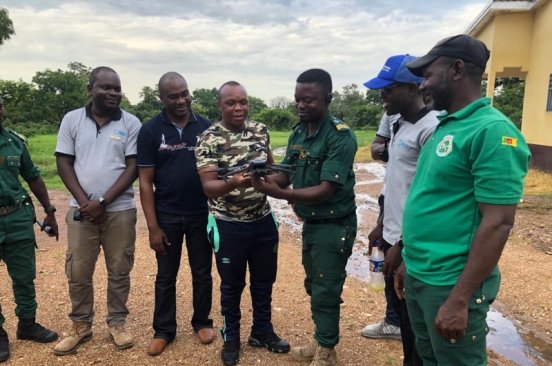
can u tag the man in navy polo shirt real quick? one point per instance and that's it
(176, 207)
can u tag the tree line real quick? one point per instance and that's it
(37, 107)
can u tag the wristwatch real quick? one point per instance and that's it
(50, 209)
(102, 201)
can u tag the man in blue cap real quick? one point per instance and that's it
(400, 95)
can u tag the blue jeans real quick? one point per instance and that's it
(200, 257)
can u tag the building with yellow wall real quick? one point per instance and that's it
(519, 36)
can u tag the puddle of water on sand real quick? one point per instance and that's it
(507, 340)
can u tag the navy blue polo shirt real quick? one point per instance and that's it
(178, 189)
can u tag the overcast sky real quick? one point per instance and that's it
(262, 44)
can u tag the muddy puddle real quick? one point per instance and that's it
(505, 338)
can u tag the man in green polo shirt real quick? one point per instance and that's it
(460, 208)
(323, 149)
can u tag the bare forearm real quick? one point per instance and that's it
(38, 188)
(378, 147)
(218, 188)
(122, 183)
(484, 255)
(319, 193)
(281, 179)
(147, 199)
(69, 178)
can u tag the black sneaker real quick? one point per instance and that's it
(269, 340)
(230, 353)
(4, 345)
(28, 329)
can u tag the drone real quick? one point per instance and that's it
(257, 167)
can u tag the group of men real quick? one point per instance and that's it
(453, 181)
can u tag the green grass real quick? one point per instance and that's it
(42, 149)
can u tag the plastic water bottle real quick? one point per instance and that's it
(377, 282)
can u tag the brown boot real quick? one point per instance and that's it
(324, 357)
(81, 333)
(121, 336)
(305, 353)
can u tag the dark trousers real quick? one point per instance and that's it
(397, 311)
(238, 245)
(200, 257)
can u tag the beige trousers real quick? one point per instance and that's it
(116, 236)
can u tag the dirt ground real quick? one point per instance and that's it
(525, 296)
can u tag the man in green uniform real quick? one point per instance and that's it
(17, 240)
(460, 207)
(323, 149)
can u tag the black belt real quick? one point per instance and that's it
(338, 220)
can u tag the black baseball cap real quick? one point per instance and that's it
(462, 46)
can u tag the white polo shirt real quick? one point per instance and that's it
(100, 153)
(384, 130)
(404, 147)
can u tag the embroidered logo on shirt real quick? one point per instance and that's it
(403, 145)
(445, 146)
(509, 141)
(118, 135)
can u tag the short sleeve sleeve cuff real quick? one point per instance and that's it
(334, 171)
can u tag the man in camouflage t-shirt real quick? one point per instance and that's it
(241, 226)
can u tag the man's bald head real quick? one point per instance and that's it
(166, 79)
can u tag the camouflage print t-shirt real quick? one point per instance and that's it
(219, 147)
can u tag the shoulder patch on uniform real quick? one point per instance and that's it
(339, 125)
(509, 141)
(18, 135)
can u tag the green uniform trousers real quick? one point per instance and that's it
(17, 250)
(423, 303)
(327, 245)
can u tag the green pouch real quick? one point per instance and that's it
(212, 232)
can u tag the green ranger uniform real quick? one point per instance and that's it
(329, 227)
(17, 240)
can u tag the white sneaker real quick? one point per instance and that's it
(381, 330)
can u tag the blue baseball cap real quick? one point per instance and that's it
(394, 71)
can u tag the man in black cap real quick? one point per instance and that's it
(460, 207)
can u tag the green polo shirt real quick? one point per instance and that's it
(326, 155)
(476, 155)
(14, 161)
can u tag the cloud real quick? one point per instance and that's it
(264, 45)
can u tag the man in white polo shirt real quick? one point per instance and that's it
(400, 94)
(96, 160)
